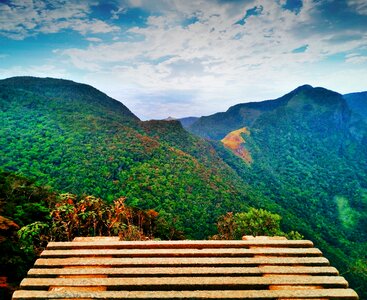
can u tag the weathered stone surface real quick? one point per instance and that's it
(220, 294)
(184, 271)
(179, 244)
(180, 262)
(185, 283)
(256, 268)
(222, 252)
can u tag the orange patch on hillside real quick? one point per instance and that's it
(235, 142)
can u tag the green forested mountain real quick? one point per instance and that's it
(65, 98)
(357, 102)
(217, 126)
(307, 161)
(75, 139)
(188, 121)
(308, 154)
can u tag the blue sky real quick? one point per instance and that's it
(188, 57)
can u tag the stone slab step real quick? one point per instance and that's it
(112, 244)
(116, 238)
(220, 252)
(184, 283)
(233, 294)
(254, 268)
(179, 262)
(195, 271)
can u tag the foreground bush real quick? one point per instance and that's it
(255, 222)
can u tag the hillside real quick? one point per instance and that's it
(309, 155)
(308, 160)
(186, 122)
(357, 102)
(75, 139)
(66, 98)
(236, 143)
(217, 126)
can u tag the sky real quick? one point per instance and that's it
(183, 58)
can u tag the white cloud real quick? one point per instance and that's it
(92, 26)
(356, 58)
(115, 14)
(360, 6)
(20, 19)
(94, 39)
(197, 51)
(44, 70)
(216, 61)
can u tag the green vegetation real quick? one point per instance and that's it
(62, 217)
(357, 102)
(308, 151)
(66, 216)
(21, 203)
(75, 139)
(347, 215)
(309, 156)
(255, 222)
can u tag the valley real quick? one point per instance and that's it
(302, 156)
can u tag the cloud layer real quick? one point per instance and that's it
(176, 57)
(23, 18)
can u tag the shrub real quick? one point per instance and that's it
(254, 222)
(257, 222)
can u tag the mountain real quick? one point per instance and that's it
(186, 122)
(302, 156)
(357, 102)
(307, 152)
(218, 125)
(66, 97)
(169, 119)
(73, 138)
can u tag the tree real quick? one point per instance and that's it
(254, 222)
(257, 222)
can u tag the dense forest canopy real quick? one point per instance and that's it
(307, 148)
(309, 155)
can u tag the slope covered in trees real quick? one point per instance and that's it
(309, 155)
(308, 164)
(44, 215)
(75, 139)
(357, 102)
(32, 215)
(218, 125)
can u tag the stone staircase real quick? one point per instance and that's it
(254, 268)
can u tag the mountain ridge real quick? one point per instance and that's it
(51, 135)
(216, 126)
(357, 103)
(53, 88)
(308, 153)
(308, 161)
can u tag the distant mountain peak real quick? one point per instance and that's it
(169, 119)
(188, 121)
(302, 99)
(304, 87)
(68, 95)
